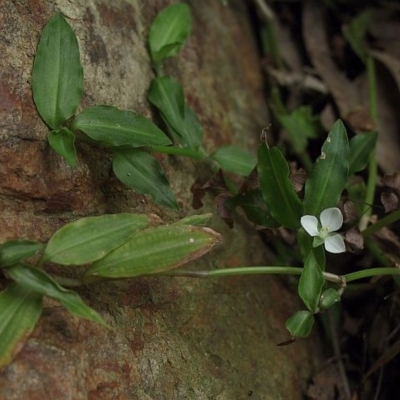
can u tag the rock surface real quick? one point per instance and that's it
(174, 338)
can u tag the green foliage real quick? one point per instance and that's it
(356, 31)
(330, 172)
(20, 309)
(14, 251)
(233, 158)
(301, 125)
(139, 170)
(169, 32)
(37, 281)
(253, 205)
(166, 94)
(277, 190)
(89, 239)
(311, 282)
(57, 75)
(300, 323)
(62, 141)
(116, 127)
(361, 148)
(155, 250)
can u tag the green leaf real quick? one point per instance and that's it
(311, 283)
(169, 31)
(253, 205)
(88, 239)
(38, 281)
(329, 298)
(155, 250)
(13, 251)
(116, 127)
(142, 172)
(361, 148)
(20, 309)
(57, 75)
(233, 158)
(329, 175)
(300, 125)
(356, 31)
(166, 94)
(300, 323)
(277, 190)
(62, 141)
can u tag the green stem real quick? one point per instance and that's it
(276, 270)
(372, 167)
(179, 151)
(369, 273)
(377, 253)
(386, 221)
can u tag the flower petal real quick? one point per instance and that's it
(335, 244)
(332, 219)
(310, 224)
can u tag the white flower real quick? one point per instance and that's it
(331, 220)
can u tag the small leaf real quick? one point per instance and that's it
(169, 31)
(57, 75)
(88, 239)
(166, 94)
(329, 298)
(38, 281)
(233, 158)
(329, 175)
(277, 190)
(142, 172)
(311, 283)
(300, 323)
(13, 251)
(116, 127)
(361, 148)
(155, 250)
(300, 125)
(62, 141)
(20, 309)
(356, 31)
(253, 205)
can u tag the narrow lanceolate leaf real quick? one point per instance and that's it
(13, 251)
(20, 309)
(38, 281)
(166, 94)
(88, 239)
(233, 158)
(62, 141)
(311, 282)
(155, 250)
(169, 31)
(300, 323)
(277, 190)
(330, 172)
(57, 75)
(361, 148)
(115, 127)
(142, 172)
